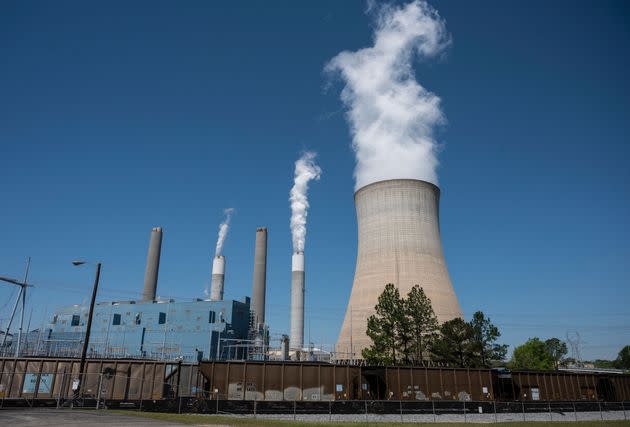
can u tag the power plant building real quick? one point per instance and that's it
(162, 329)
(398, 242)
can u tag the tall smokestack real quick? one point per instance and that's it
(297, 301)
(305, 171)
(153, 265)
(218, 277)
(399, 243)
(259, 285)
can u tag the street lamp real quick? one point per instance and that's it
(86, 341)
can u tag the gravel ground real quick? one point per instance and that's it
(32, 417)
(429, 418)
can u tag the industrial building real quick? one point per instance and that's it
(399, 243)
(163, 329)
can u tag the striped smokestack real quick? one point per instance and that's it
(297, 301)
(218, 277)
(259, 284)
(153, 265)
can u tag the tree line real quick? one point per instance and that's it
(405, 330)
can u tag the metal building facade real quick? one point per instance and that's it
(152, 329)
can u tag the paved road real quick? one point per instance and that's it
(27, 417)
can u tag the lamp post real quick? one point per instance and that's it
(88, 327)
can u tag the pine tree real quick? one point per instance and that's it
(455, 345)
(423, 324)
(485, 336)
(384, 328)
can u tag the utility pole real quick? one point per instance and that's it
(21, 295)
(88, 327)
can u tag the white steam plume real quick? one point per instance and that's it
(305, 171)
(390, 114)
(223, 230)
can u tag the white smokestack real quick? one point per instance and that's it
(390, 114)
(223, 230)
(297, 301)
(218, 278)
(305, 171)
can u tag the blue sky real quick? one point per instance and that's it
(118, 117)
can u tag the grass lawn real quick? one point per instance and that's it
(208, 420)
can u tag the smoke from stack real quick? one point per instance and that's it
(153, 265)
(223, 231)
(218, 263)
(305, 171)
(391, 116)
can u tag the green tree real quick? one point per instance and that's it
(384, 328)
(485, 337)
(455, 345)
(556, 349)
(422, 322)
(623, 359)
(531, 355)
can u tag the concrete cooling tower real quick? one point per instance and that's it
(399, 243)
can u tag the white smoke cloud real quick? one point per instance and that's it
(223, 230)
(391, 116)
(305, 171)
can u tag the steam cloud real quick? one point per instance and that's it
(305, 171)
(391, 116)
(223, 230)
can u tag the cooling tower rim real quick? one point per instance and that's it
(365, 187)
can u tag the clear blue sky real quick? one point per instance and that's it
(117, 117)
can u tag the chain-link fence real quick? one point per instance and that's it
(105, 391)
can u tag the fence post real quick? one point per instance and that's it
(464, 402)
(401, 415)
(60, 387)
(550, 415)
(294, 405)
(575, 411)
(217, 391)
(523, 408)
(254, 406)
(433, 408)
(98, 392)
(179, 406)
(366, 415)
(330, 410)
(495, 410)
(600, 410)
(623, 407)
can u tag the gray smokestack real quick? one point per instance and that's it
(297, 301)
(153, 265)
(218, 275)
(260, 276)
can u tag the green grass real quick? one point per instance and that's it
(194, 419)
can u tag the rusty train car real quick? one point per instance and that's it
(139, 379)
(324, 382)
